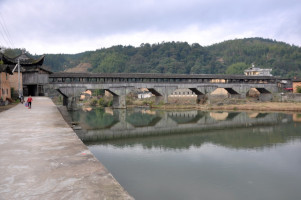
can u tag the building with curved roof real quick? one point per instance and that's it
(33, 75)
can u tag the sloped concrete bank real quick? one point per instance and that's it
(41, 157)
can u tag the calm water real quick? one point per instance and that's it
(197, 155)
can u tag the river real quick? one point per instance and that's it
(192, 155)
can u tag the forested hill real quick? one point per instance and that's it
(230, 57)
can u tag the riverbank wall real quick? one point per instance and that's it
(41, 157)
(290, 97)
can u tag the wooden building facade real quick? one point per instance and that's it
(34, 75)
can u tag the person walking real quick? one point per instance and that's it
(21, 99)
(29, 100)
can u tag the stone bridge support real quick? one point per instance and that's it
(239, 91)
(162, 92)
(119, 95)
(265, 95)
(71, 95)
(202, 93)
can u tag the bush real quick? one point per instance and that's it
(110, 103)
(103, 102)
(93, 102)
(298, 89)
(147, 102)
(129, 102)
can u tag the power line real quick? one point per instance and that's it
(6, 30)
(4, 39)
(5, 34)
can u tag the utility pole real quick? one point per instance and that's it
(19, 80)
(20, 90)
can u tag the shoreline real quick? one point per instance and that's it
(262, 106)
(249, 106)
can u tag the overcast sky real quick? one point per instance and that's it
(73, 26)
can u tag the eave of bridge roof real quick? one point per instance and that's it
(149, 75)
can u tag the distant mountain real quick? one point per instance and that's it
(284, 59)
(231, 56)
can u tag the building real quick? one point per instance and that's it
(182, 93)
(5, 91)
(144, 94)
(86, 94)
(34, 75)
(256, 71)
(285, 85)
(296, 85)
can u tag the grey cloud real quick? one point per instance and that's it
(75, 19)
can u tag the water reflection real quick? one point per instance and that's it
(101, 124)
(186, 128)
(197, 155)
(241, 138)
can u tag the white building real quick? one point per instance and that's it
(256, 71)
(182, 93)
(145, 94)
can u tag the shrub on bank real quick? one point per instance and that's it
(298, 89)
(104, 102)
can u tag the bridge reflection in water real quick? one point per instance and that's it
(101, 124)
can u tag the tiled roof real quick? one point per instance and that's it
(25, 60)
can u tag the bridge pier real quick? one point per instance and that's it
(162, 93)
(239, 91)
(119, 96)
(71, 96)
(202, 93)
(265, 95)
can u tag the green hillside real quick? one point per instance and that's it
(284, 59)
(230, 57)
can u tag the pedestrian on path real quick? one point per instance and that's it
(21, 98)
(29, 100)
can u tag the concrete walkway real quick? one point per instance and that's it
(42, 158)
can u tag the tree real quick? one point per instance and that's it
(237, 68)
(112, 62)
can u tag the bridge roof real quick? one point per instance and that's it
(149, 75)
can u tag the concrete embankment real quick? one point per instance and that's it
(42, 158)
